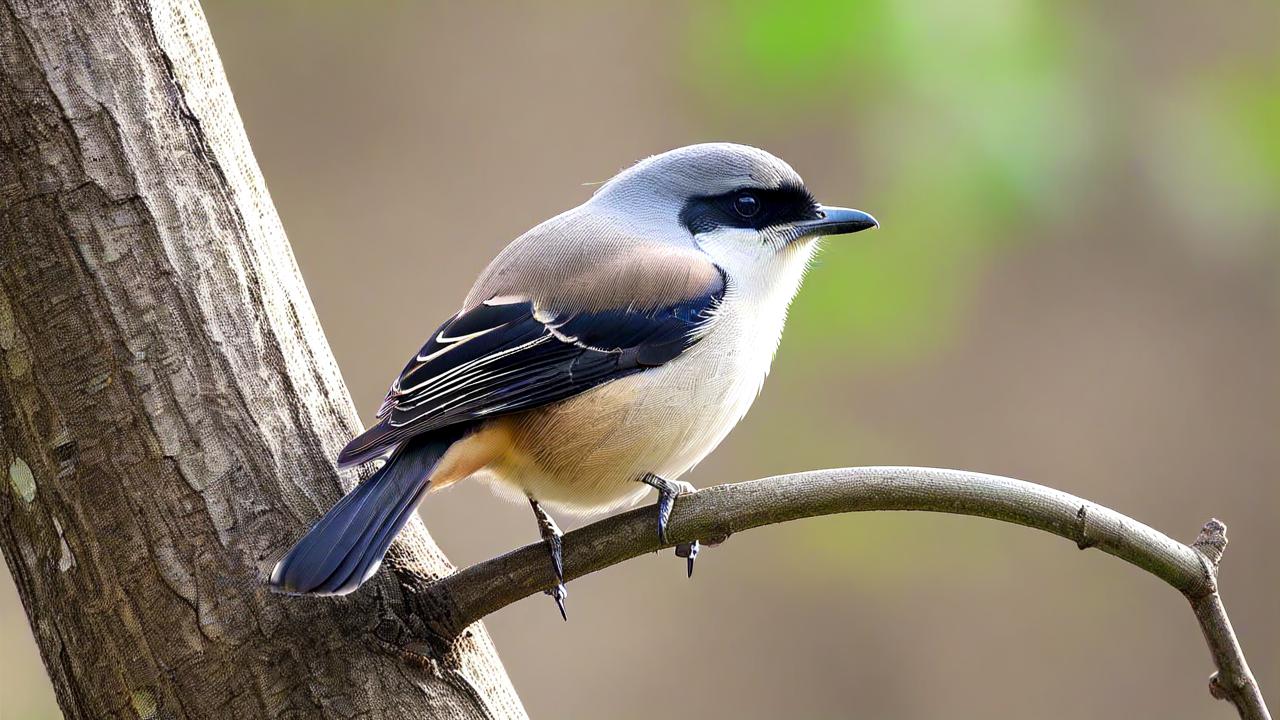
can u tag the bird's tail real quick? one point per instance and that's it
(346, 547)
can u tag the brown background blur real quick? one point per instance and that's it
(1075, 284)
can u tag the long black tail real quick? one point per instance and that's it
(346, 547)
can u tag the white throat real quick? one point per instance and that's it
(763, 281)
(763, 277)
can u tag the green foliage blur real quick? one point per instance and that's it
(977, 117)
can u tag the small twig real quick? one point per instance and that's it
(454, 602)
(1233, 681)
(1212, 542)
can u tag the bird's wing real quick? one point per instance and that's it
(516, 350)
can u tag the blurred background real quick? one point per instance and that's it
(1076, 283)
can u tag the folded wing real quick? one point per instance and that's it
(509, 353)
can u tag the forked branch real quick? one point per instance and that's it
(450, 604)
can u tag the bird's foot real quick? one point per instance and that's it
(559, 593)
(689, 550)
(553, 537)
(668, 490)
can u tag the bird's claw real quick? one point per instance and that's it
(554, 538)
(559, 593)
(668, 490)
(689, 550)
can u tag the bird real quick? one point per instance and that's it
(602, 354)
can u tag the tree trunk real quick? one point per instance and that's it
(170, 407)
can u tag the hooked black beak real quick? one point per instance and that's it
(836, 221)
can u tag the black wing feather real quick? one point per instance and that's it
(508, 356)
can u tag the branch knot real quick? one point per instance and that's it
(1212, 542)
(1083, 541)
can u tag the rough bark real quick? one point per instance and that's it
(168, 400)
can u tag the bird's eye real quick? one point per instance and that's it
(746, 205)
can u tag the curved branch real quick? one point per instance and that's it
(449, 605)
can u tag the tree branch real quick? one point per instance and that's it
(449, 605)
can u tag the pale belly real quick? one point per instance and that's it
(587, 454)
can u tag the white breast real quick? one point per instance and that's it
(586, 453)
(739, 350)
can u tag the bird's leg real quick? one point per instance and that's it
(552, 535)
(667, 492)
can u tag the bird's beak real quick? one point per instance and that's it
(836, 221)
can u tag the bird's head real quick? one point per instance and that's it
(739, 204)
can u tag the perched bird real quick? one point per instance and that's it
(605, 351)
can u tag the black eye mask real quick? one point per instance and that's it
(749, 208)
